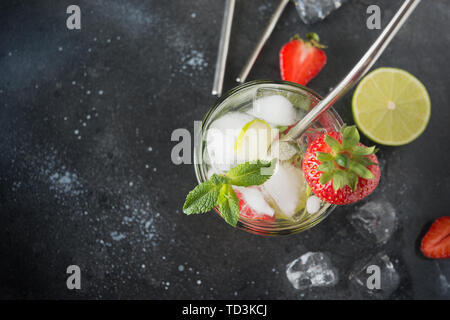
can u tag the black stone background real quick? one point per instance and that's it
(102, 200)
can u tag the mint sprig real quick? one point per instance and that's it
(218, 190)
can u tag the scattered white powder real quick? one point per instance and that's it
(194, 60)
(116, 236)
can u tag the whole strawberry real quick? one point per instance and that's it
(339, 169)
(301, 60)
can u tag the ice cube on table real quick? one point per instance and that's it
(311, 11)
(221, 137)
(312, 269)
(254, 198)
(363, 277)
(285, 187)
(375, 221)
(275, 109)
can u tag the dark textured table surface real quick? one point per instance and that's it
(86, 174)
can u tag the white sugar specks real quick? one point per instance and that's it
(116, 236)
(194, 60)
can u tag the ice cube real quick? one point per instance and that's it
(282, 150)
(254, 198)
(275, 109)
(311, 11)
(444, 283)
(375, 220)
(374, 277)
(285, 187)
(312, 269)
(221, 137)
(313, 204)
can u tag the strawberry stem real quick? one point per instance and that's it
(347, 160)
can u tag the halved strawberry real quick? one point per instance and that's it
(249, 212)
(436, 242)
(301, 60)
(339, 169)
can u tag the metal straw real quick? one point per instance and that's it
(357, 72)
(269, 28)
(223, 47)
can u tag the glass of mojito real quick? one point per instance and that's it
(245, 125)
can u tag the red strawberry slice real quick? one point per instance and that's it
(436, 242)
(249, 212)
(300, 60)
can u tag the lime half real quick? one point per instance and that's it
(391, 106)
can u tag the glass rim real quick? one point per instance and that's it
(255, 226)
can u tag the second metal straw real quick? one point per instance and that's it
(272, 23)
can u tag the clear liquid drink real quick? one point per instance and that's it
(245, 125)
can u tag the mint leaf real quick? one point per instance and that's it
(218, 179)
(203, 198)
(229, 205)
(248, 174)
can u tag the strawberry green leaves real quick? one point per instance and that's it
(333, 144)
(218, 191)
(347, 161)
(350, 137)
